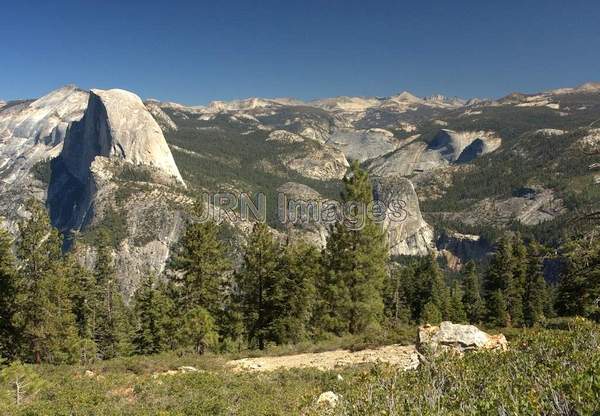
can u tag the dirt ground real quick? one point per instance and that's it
(402, 356)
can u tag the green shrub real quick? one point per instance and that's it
(544, 372)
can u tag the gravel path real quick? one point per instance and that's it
(402, 356)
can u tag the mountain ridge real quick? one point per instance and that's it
(448, 150)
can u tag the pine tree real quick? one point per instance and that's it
(231, 323)
(112, 333)
(432, 287)
(516, 287)
(498, 282)
(474, 306)
(44, 316)
(440, 295)
(355, 261)
(457, 310)
(334, 302)
(24, 382)
(430, 314)
(259, 286)
(200, 263)
(8, 275)
(497, 309)
(300, 269)
(198, 330)
(499, 273)
(536, 290)
(579, 285)
(83, 298)
(170, 293)
(64, 344)
(150, 307)
(398, 291)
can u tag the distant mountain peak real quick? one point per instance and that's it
(244, 104)
(588, 87)
(407, 96)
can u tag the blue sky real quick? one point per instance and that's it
(196, 51)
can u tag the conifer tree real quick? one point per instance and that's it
(150, 307)
(474, 305)
(398, 291)
(198, 330)
(536, 290)
(173, 312)
(498, 282)
(457, 312)
(44, 310)
(356, 261)
(231, 325)
(259, 286)
(516, 286)
(432, 287)
(500, 271)
(334, 302)
(440, 295)
(579, 285)
(112, 332)
(497, 309)
(8, 275)
(300, 269)
(83, 299)
(64, 344)
(201, 262)
(431, 314)
(23, 381)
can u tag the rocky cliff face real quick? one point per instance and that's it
(408, 233)
(463, 147)
(32, 132)
(531, 206)
(116, 171)
(409, 159)
(459, 248)
(447, 147)
(116, 127)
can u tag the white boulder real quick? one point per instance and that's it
(329, 399)
(458, 338)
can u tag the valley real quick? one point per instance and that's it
(478, 166)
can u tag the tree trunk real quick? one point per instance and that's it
(200, 348)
